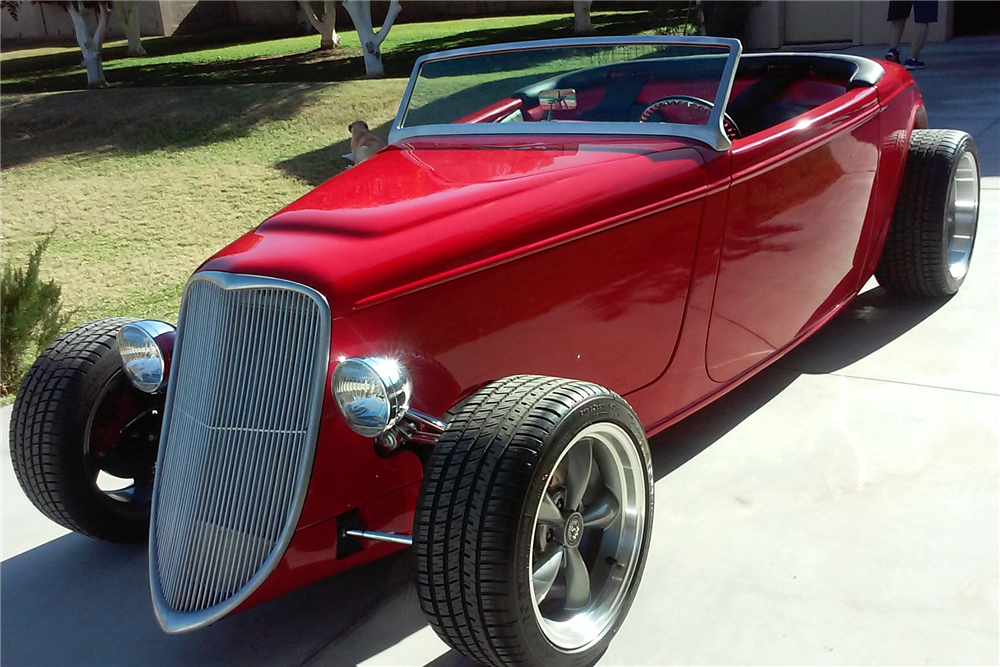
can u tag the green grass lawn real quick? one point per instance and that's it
(141, 182)
(140, 186)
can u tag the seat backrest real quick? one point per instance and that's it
(762, 105)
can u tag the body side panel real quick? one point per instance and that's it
(686, 380)
(686, 387)
(798, 205)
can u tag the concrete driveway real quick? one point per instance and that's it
(840, 508)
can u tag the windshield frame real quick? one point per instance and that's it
(711, 134)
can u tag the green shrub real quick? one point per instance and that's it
(30, 317)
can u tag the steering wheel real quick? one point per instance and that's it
(659, 111)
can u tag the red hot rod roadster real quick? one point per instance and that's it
(463, 343)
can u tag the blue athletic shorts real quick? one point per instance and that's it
(924, 11)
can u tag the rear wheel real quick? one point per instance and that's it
(83, 439)
(533, 523)
(929, 246)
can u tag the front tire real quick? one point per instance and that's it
(76, 415)
(929, 246)
(533, 523)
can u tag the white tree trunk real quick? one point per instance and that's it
(128, 15)
(581, 17)
(361, 14)
(326, 26)
(90, 45)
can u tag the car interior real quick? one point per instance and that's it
(768, 89)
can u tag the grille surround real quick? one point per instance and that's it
(171, 619)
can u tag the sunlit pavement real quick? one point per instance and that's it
(840, 508)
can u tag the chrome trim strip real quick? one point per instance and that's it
(376, 536)
(712, 134)
(173, 621)
(151, 328)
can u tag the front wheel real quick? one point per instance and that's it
(83, 440)
(533, 522)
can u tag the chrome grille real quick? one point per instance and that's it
(242, 411)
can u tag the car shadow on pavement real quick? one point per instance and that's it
(871, 321)
(77, 601)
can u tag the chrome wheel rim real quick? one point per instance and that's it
(587, 536)
(962, 216)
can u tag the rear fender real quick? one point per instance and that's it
(904, 113)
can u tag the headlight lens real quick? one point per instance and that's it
(143, 360)
(373, 393)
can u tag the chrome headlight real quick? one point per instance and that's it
(141, 348)
(373, 393)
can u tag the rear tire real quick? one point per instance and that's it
(929, 246)
(66, 427)
(534, 473)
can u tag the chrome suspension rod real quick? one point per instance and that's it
(376, 536)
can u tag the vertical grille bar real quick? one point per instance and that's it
(239, 433)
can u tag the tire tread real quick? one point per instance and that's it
(914, 261)
(43, 416)
(470, 506)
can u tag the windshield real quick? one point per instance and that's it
(638, 85)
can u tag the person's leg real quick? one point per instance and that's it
(920, 31)
(924, 13)
(899, 10)
(896, 33)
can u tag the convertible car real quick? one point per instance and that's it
(462, 344)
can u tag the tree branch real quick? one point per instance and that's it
(79, 26)
(104, 12)
(330, 14)
(353, 8)
(390, 17)
(311, 15)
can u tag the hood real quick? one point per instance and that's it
(424, 211)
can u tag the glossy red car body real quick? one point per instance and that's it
(658, 267)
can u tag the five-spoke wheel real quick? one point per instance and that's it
(532, 526)
(586, 535)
